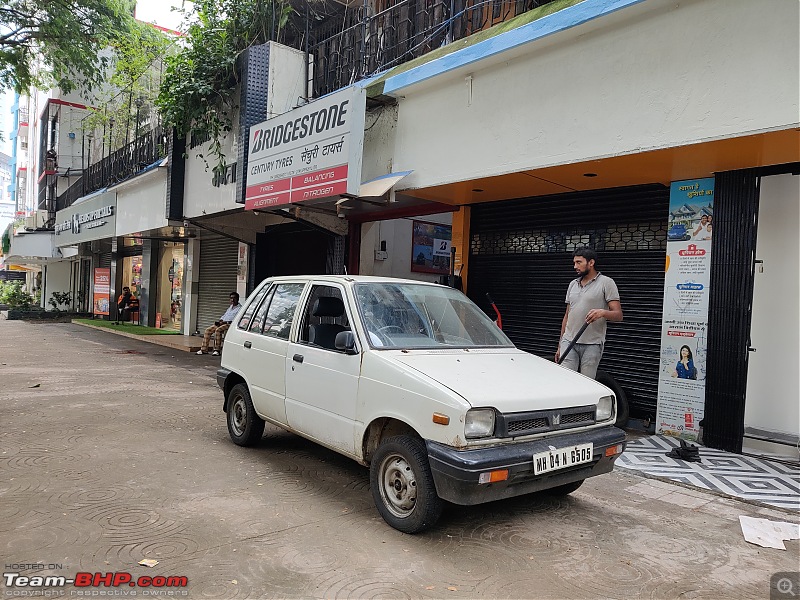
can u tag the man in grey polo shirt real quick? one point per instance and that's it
(591, 298)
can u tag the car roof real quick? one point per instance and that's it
(349, 279)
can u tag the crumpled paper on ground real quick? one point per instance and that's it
(768, 534)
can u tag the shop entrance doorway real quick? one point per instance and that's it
(291, 249)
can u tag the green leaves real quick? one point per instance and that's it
(197, 95)
(59, 42)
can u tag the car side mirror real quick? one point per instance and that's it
(346, 341)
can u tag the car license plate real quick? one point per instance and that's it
(553, 460)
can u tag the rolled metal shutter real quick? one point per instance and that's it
(218, 260)
(521, 253)
(104, 260)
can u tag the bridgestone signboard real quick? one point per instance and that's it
(87, 220)
(311, 152)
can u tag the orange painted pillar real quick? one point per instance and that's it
(460, 242)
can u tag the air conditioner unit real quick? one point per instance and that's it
(35, 220)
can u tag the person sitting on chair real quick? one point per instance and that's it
(218, 329)
(124, 304)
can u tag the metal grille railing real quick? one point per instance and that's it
(118, 166)
(379, 35)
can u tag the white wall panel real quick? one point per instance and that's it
(772, 377)
(397, 234)
(655, 75)
(142, 203)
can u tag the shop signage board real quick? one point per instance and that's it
(87, 220)
(310, 152)
(102, 290)
(682, 372)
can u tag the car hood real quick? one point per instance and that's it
(508, 380)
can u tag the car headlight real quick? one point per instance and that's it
(605, 408)
(479, 423)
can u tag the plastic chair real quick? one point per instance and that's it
(133, 310)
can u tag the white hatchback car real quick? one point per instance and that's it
(415, 381)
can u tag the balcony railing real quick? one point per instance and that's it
(118, 166)
(367, 40)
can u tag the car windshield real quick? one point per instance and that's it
(407, 315)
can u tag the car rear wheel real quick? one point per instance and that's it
(563, 490)
(402, 485)
(244, 425)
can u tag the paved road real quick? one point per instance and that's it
(114, 451)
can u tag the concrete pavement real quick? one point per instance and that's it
(116, 450)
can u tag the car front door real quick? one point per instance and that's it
(322, 382)
(265, 345)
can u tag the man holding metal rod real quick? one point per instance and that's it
(592, 300)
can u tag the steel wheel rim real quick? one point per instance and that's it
(398, 486)
(238, 419)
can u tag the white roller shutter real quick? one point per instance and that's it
(218, 259)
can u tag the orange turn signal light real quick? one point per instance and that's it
(493, 476)
(614, 450)
(441, 419)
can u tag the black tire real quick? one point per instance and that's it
(244, 425)
(564, 490)
(623, 410)
(402, 485)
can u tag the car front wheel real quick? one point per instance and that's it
(402, 485)
(244, 425)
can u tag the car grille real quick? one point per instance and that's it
(515, 427)
(529, 423)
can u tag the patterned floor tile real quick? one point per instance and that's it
(744, 477)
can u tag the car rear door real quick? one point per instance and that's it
(322, 382)
(265, 345)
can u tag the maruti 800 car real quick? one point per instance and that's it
(414, 381)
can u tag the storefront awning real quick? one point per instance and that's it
(380, 185)
(36, 248)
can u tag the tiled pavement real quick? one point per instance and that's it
(747, 478)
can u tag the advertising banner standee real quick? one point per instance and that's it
(102, 290)
(684, 332)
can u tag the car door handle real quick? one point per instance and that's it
(248, 344)
(297, 358)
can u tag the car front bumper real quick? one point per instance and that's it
(455, 472)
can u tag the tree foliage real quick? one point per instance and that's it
(197, 94)
(133, 78)
(46, 43)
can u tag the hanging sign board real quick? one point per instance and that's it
(310, 152)
(87, 220)
(102, 289)
(682, 373)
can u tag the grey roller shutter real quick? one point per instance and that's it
(218, 259)
(521, 253)
(104, 260)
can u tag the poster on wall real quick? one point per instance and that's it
(102, 289)
(430, 247)
(682, 370)
(242, 269)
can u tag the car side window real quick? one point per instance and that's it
(258, 319)
(324, 317)
(247, 316)
(282, 306)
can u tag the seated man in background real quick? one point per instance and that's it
(218, 329)
(125, 302)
